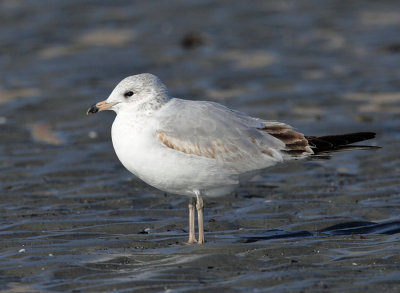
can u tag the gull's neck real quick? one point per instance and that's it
(154, 103)
(133, 118)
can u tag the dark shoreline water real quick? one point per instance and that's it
(73, 219)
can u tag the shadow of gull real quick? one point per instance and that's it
(349, 228)
(274, 234)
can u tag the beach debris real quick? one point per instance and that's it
(193, 40)
(43, 132)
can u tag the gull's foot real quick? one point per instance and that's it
(191, 241)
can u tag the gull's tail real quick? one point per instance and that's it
(339, 142)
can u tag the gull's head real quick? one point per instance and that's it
(142, 92)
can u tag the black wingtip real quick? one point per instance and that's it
(335, 142)
(364, 135)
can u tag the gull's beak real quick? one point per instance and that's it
(100, 106)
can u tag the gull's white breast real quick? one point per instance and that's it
(137, 147)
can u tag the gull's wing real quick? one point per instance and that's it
(214, 131)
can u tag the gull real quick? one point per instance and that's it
(200, 148)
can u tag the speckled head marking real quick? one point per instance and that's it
(140, 85)
(143, 92)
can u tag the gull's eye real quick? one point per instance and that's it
(128, 94)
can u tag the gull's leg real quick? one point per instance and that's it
(200, 223)
(192, 237)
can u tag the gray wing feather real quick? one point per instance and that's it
(208, 125)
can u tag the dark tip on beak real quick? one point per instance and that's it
(92, 110)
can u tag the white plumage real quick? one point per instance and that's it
(192, 148)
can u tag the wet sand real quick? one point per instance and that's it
(73, 219)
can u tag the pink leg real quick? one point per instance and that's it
(200, 219)
(192, 236)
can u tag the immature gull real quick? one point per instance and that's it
(199, 148)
